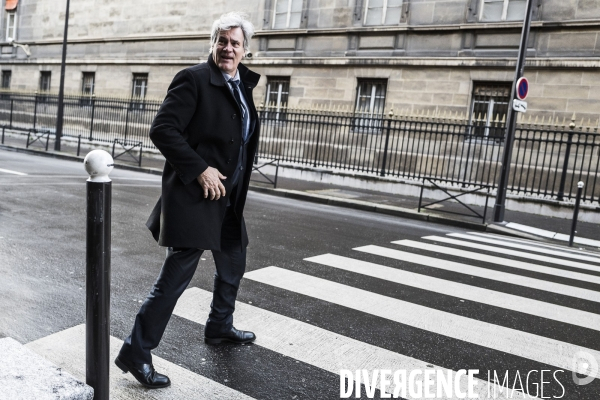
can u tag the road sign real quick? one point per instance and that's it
(519, 105)
(522, 88)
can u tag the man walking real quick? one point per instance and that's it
(207, 128)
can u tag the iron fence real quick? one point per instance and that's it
(548, 160)
(102, 119)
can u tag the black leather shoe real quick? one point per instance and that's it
(144, 373)
(233, 336)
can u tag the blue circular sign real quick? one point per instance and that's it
(522, 88)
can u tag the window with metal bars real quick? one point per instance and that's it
(502, 10)
(287, 14)
(139, 88)
(276, 99)
(382, 12)
(489, 107)
(370, 103)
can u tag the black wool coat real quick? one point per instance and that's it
(199, 125)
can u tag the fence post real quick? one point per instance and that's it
(576, 213)
(3, 128)
(11, 113)
(98, 164)
(35, 109)
(317, 145)
(468, 137)
(387, 141)
(92, 119)
(126, 124)
(563, 178)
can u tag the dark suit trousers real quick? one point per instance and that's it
(177, 272)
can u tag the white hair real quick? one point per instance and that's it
(228, 21)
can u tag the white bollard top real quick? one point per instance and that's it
(580, 184)
(98, 163)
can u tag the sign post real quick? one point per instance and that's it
(61, 88)
(511, 120)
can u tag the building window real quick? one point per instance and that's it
(370, 96)
(502, 10)
(6, 75)
(489, 108)
(45, 81)
(383, 12)
(287, 14)
(140, 86)
(44, 85)
(11, 25)
(278, 90)
(88, 81)
(139, 89)
(370, 103)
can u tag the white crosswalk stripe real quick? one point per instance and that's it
(307, 343)
(486, 273)
(511, 341)
(507, 262)
(509, 241)
(520, 254)
(462, 291)
(67, 350)
(545, 250)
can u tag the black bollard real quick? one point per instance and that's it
(98, 163)
(576, 213)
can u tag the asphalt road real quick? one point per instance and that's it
(42, 264)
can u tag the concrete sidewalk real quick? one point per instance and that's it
(521, 224)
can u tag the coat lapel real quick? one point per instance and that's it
(249, 81)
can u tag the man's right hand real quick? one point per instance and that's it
(210, 180)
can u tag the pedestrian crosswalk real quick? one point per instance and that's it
(506, 307)
(67, 350)
(463, 291)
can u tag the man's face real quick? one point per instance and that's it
(229, 50)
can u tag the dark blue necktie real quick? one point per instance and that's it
(245, 115)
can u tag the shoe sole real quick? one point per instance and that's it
(125, 370)
(221, 340)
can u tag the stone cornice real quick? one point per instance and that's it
(590, 24)
(466, 62)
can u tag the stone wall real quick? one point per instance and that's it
(430, 59)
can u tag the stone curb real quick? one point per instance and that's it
(368, 206)
(25, 375)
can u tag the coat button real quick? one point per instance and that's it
(233, 116)
(229, 161)
(231, 141)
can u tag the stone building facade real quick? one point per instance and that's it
(371, 55)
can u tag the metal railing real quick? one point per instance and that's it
(102, 119)
(548, 159)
